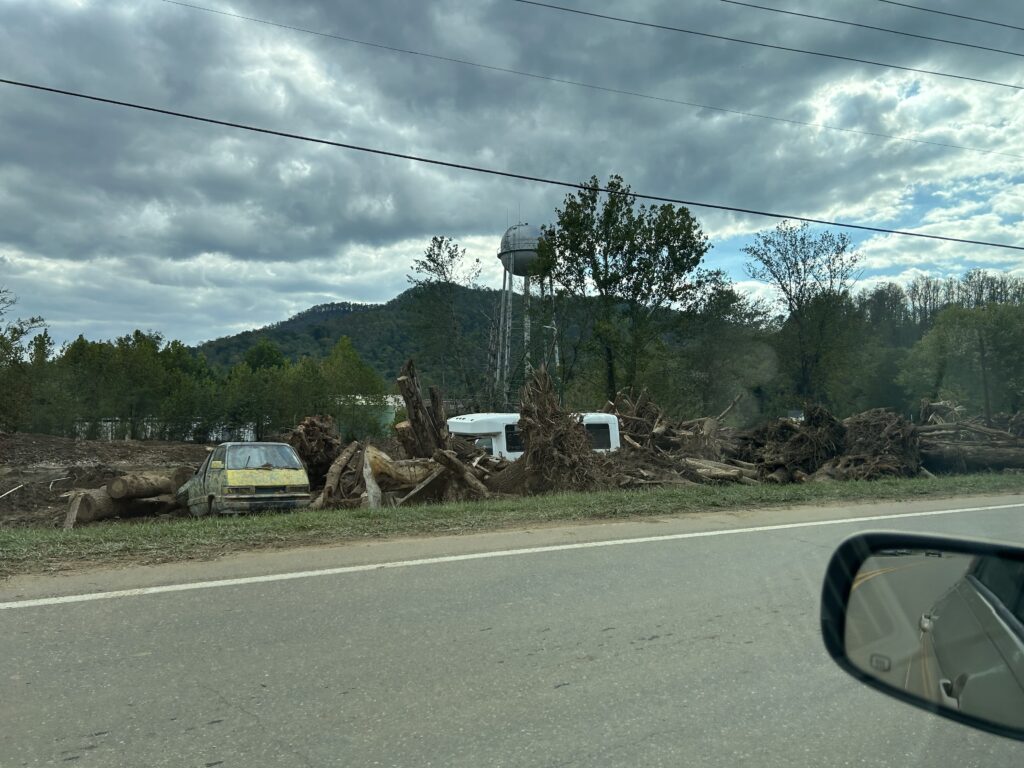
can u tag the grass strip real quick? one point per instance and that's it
(37, 550)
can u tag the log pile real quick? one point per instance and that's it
(437, 466)
(966, 446)
(138, 495)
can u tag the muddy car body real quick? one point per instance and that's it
(247, 477)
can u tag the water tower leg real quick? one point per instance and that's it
(527, 366)
(509, 295)
(498, 372)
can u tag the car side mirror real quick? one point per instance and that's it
(933, 621)
(216, 465)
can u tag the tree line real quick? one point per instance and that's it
(140, 386)
(630, 302)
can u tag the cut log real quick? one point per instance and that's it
(88, 506)
(448, 460)
(140, 486)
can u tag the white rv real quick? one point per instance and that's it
(498, 433)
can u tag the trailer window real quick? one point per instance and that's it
(600, 436)
(513, 440)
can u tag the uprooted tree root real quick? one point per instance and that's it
(557, 452)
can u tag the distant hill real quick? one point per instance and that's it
(384, 335)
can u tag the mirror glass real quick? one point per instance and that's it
(944, 627)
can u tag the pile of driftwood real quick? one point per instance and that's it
(437, 466)
(139, 495)
(951, 441)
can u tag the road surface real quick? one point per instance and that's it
(677, 641)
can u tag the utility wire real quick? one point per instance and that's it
(954, 15)
(493, 171)
(773, 46)
(591, 86)
(872, 27)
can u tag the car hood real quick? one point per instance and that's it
(266, 477)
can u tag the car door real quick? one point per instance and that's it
(213, 481)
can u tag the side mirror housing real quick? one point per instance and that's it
(933, 621)
(216, 465)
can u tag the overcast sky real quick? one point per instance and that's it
(112, 219)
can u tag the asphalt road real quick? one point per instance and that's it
(695, 650)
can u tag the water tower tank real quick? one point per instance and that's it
(518, 251)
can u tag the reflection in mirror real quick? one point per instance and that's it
(944, 627)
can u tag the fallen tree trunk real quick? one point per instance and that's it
(140, 486)
(88, 506)
(461, 471)
(955, 457)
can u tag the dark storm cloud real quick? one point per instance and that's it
(213, 229)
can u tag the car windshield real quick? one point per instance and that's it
(262, 456)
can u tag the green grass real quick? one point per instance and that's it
(35, 550)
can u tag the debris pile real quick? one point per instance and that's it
(318, 444)
(879, 443)
(966, 446)
(644, 426)
(788, 451)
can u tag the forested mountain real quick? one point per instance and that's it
(384, 335)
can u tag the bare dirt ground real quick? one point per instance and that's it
(48, 467)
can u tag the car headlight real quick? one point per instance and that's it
(249, 489)
(297, 488)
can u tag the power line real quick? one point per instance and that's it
(666, 27)
(954, 15)
(591, 86)
(493, 171)
(872, 27)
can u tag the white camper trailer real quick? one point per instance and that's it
(498, 433)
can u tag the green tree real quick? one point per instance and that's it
(718, 349)
(636, 261)
(437, 277)
(972, 355)
(264, 354)
(14, 376)
(813, 274)
(357, 396)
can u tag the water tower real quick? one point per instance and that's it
(518, 255)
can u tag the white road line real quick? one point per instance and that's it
(89, 597)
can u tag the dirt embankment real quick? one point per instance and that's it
(47, 467)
